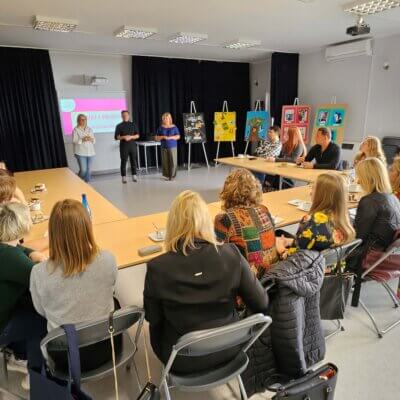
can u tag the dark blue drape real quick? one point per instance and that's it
(165, 84)
(30, 128)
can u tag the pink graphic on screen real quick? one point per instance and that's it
(102, 114)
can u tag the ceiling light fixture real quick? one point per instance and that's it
(371, 7)
(188, 38)
(242, 44)
(130, 32)
(54, 24)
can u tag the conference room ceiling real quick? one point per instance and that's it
(280, 25)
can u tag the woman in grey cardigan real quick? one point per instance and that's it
(77, 282)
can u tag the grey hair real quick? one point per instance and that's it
(15, 221)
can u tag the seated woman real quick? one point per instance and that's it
(8, 182)
(21, 328)
(378, 212)
(268, 149)
(371, 146)
(246, 222)
(327, 224)
(394, 175)
(292, 149)
(77, 282)
(194, 285)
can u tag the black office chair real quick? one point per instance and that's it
(391, 147)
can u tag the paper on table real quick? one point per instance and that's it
(295, 202)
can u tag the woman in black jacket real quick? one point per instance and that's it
(193, 286)
(378, 213)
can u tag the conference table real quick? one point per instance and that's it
(124, 236)
(62, 183)
(285, 170)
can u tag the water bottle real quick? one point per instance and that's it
(86, 205)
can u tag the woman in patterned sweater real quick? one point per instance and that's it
(246, 222)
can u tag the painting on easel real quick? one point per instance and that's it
(194, 128)
(257, 124)
(225, 126)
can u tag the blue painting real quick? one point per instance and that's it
(337, 117)
(257, 124)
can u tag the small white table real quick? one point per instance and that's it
(146, 144)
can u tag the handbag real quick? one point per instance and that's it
(45, 386)
(335, 291)
(150, 391)
(315, 385)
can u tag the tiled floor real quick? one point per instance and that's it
(368, 366)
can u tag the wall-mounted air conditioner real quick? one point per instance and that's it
(346, 50)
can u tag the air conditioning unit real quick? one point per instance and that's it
(346, 50)
(98, 81)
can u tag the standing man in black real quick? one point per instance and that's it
(126, 133)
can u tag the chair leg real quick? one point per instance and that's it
(166, 390)
(242, 389)
(392, 294)
(339, 329)
(3, 369)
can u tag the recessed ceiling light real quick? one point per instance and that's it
(188, 38)
(242, 44)
(130, 32)
(371, 7)
(54, 24)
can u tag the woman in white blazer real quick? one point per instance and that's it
(83, 140)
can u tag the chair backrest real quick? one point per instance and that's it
(202, 343)
(340, 253)
(93, 331)
(391, 147)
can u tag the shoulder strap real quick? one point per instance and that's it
(74, 361)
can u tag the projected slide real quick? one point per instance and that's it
(102, 114)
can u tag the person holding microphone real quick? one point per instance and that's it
(126, 133)
(83, 140)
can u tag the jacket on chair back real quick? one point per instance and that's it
(297, 337)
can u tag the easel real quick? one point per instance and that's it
(224, 109)
(192, 111)
(257, 108)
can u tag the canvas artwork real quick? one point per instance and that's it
(225, 126)
(297, 116)
(289, 115)
(194, 128)
(257, 123)
(332, 116)
(323, 118)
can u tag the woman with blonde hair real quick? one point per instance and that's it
(394, 176)
(194, 285)
(83, 140)
(371, 146)
(327, 224)
(21, 328)
(77, 282)
(168, 134)
(378, 212)
(246, 222)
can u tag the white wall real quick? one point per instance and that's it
(373, 94)
(68, 70)
(260, 80)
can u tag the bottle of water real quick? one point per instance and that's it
(86, 205)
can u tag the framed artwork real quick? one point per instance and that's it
(295, 116)
(257, 123)
(225, 126)
(194, 128)
(332, 116)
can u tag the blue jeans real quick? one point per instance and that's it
(84, 163)
(260, 176)
(23, 334)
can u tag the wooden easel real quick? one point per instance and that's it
(257, 108)
(192, 111)
(224, 109)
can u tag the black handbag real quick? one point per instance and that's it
(335, 290)
(315, 385)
